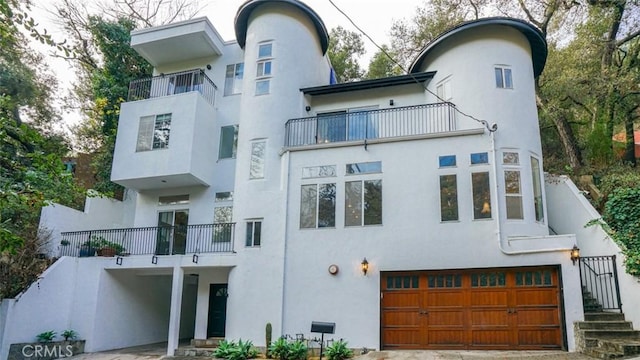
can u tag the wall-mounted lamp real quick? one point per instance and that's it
(364, 265)
(308, 108)
(575, 254)
(208, 66)
(391, 102)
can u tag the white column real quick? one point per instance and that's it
(202, 306)
(176, 305)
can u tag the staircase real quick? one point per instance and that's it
(199, 347)
(606, 335)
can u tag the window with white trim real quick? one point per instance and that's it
(481, 195)
(538, 201)
(443, 90)
(363, 203)
(448, 197)
(512, 185)
(253, 233)
(153, 132)
(228, 142)
(233, 79)
(264, 68)
(222, 220)
(318, 206)
(503, 77)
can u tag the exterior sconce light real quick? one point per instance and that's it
(391, 102)
(575, 254)
(208, 66)
(308, 108)
(365, 266)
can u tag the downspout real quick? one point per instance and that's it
(287, 154)
(501, 244)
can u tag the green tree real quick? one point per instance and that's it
(344, 49)
(382, 64)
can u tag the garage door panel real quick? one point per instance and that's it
(489, 317)
(401, 318)
(401, 299)
(537, 317)
(491, 337)
(445, 298)
(403, 338)
(447, 337)
(537, 296)
(446, 318)
(539, 337)
(494, 297)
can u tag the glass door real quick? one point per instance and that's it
(172, 232)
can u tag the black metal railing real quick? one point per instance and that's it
(599, 280)
(372, 124)
(160, 240)
(171, 84)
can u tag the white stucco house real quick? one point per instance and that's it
(258, 190)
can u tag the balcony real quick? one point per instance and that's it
(173, 84)
(163, 240)
(398, 122)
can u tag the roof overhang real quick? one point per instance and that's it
(177, 42)
(416, 78)
(533, 34)
(244, 12)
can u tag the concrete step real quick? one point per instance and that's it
(604, 325)
(206, 343)
(602, 354)
(624, 347)
(612, 334)
(192, 351)
(603, 316)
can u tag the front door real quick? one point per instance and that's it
(217, 310)
(172, 232)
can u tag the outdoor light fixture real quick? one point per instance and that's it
(575, 254)
(391, 102)
(308, 108)
(119, 260)
(365, 266)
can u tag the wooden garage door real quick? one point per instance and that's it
(472, 309)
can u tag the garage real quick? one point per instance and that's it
(498, 309)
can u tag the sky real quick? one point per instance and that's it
(375, 17)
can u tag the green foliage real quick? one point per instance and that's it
(230, 350)
(338, 351)
(344, 48)
(69, 335)
(98, 243)
(46, 336)
(288, 350)
(382, 66)
(622, 214)
(268, 332)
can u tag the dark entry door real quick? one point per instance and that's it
(217, 310)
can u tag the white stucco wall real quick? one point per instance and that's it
(565, 198)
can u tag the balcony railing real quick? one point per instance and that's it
(162, 240)
(172, 84)
(374, 124)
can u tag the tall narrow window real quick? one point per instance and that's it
(443, 90)
(363, 203)
(256, 170)
(448, 198)
(222, 228)
(513, 194)
(153, 132)
(254, 233)
(228, 142)
(264, 68)
(537, 189)
(481, 195)
(318, 206)
(503, 77)
(233, 79)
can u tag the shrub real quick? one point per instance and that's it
(69, 334)
(230, 350)
(288, 350)
(46, 336)
(338, 351)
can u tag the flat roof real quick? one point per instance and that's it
(414, 78)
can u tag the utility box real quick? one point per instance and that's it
(323, 327)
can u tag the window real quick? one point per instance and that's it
(173, 200)
(447, 161)
(364, 168)
(363, 203)
(257, 160)
(479, 158)
(318, 206)
(481, 195)
(445, 281)
(503, 78)
(332, 127)
(318, 171)
(513, 193)
(443, 90)
(355, 124)
(448, 198)
(233, 79)
(224, 196)
(254, 230)
(537, 189)
(492, 279)
(403, 282)
(153, 132)
(534, 278)
(228, 142)
(222, 220)
(264, 68)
